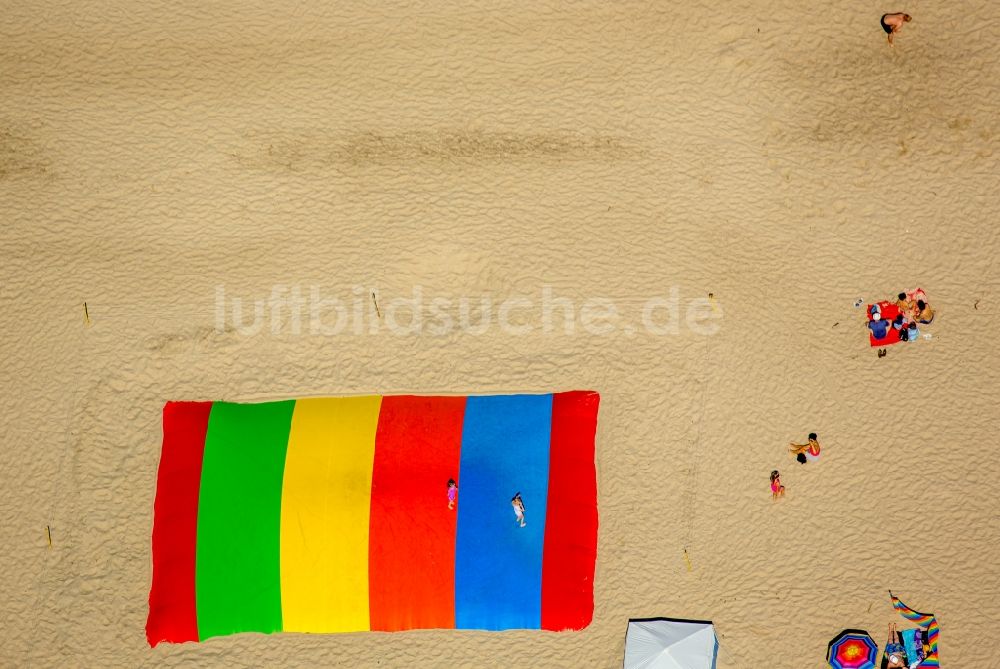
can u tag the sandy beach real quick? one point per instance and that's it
(163, 163)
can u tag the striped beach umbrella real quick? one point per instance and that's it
(852, 649)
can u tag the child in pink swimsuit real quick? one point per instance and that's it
(777, 490)
(452, 493)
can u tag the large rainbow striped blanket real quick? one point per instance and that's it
(331, 515)
(929, 622)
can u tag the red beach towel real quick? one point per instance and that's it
(888, 311)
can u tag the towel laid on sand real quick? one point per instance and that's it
(887, 312)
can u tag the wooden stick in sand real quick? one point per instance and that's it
(377, 312)
(48, 533)
(86, 315)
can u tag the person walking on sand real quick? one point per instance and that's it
(808, 452)
(777, 490)
(452, 493)
(893, 23)
(518, 505)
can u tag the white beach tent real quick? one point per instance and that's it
(668, 643)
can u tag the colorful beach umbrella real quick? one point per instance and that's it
(852, 649)
(665, 643)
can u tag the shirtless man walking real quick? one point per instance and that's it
(893, 23)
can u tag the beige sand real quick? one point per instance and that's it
(779, 155)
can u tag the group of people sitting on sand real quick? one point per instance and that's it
(914, 306)
(902, 317)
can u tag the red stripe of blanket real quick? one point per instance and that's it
(172, 613)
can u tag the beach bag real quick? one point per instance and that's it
(896, 658)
